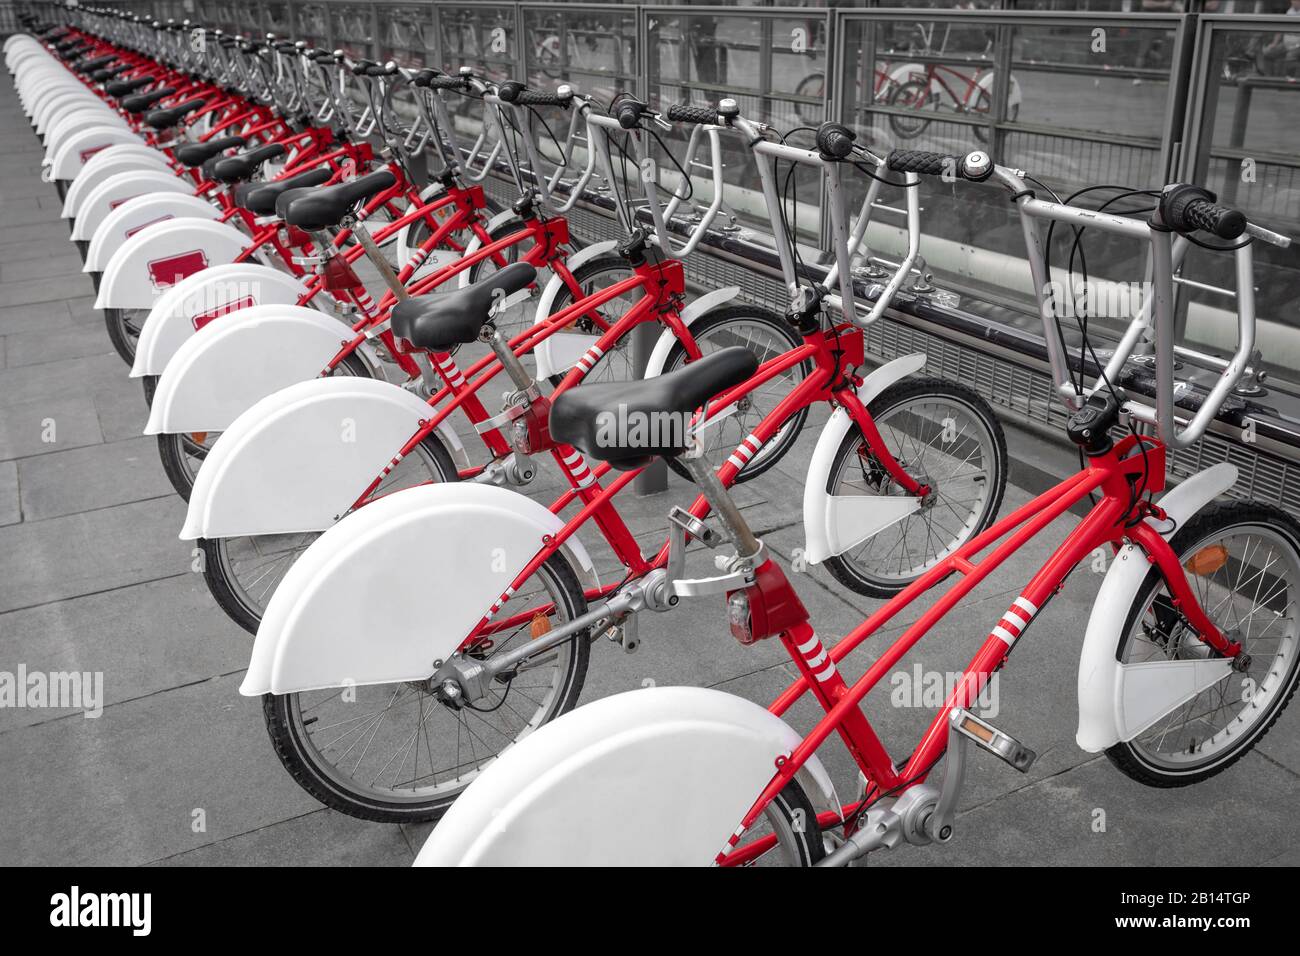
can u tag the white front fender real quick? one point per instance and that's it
(558, 352)
(834, 523)
(215, 377)
(355, 607)
(118, 190)
(80, 146)
(157, 258)
(300, 458)
(192, 303)
(112, 161)
(405, 247)
(145, 211)
(697, 308)
(1119, 701)
(475, 243)
(653, 777)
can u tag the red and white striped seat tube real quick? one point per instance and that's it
(1015, 621)
(449, 370)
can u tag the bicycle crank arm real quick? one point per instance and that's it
(924, 814)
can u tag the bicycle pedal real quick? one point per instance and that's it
(987, 737)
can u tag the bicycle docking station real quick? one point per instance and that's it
(924, 813)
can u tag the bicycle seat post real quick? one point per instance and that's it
(723, 505)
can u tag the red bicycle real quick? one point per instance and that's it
(1191, 652)
(905, 472)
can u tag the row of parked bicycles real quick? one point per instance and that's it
(295, 254)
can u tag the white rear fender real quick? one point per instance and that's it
(67, 124)
(51, 105)
(156, 258)
(138, 214)
(104, 166)
(206, 296)
(215, 377)
(697, 308)
(558, 352)
(51, 102)
(41, 83)
(834, 523)
(432, 542)
(41, 79)
(300, 458)
(80, 146)
(118, 190)
(654, 777)
(1119, 701)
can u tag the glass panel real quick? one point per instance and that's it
(405, 35)
(595, 50)
(313, 25)
(700, 59)
(225, 17)
(936, 85)
(353, 32)
(275, 16)
(1251, 159)
(479, 36)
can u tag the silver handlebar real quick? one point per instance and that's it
(1157, 313)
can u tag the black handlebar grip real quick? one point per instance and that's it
(1186, 208)
(538, 98)
(423, 77)
(684, 113)
(923, 161)
(835, 140)
(628, 111)
(508, 92)
(448, 82)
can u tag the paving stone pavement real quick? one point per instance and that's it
(93, 578)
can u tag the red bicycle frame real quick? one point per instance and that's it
(1116, 518)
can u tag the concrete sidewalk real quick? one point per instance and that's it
(93, 578)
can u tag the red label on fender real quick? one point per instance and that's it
(87, 153)
(206, 317)
(151, 222)
(172, 269)
(117, 202)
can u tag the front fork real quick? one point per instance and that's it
(871, 435)
(1159, 553)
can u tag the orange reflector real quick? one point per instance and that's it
(1208, 560)
(978, 729)
(540, 624)
(199, 437)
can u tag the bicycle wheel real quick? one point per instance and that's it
(615, 365)
(914, 95)
(397, 753)
(768, 336)
(793, 821)
(243, 572)
(1243, 563)
(124, 327)
(943, 434)
(183, 453)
